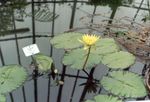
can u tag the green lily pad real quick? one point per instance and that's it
(76, 59)
(124, 83)
(67, 40)
(89, 101)
(11, 77)
(2, 98)
(105, 46)
(104, 98)
(117, 60)
(44, 62)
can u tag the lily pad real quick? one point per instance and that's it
(118, 60)
(2, 98)
(44, 62)
(76, 59)
(125, 84)
(11, 77)
(105, 46)
(67, 40)
(104, 98)
(89, 101)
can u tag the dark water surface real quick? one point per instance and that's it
(62, 15)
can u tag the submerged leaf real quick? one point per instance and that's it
(11, 77)
(125, 84)
(76, 59)
(67, 40)
(44, 62)
(105, 98)
(117, 60)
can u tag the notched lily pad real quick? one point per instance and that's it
(118, 60)
(125, 84)
(44, 62)
(11, 77)
(67, 40)
(76, 59)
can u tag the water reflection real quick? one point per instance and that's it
(43, 17)
(5, 19)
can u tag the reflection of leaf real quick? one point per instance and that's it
(67, 40)
(76, 59)
(105, 98)
(44, 62)
(43, 14)
(11, 77)
(5, 19)
(124, 84)
(118, 60)
(2, 98)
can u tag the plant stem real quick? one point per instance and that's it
(87, 57)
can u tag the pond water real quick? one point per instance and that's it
(57, 17)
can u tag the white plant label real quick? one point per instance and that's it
(31, 50)
(140, 101)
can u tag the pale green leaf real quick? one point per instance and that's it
(11, 77)
(89, 101)
(76, 59)
(2, 98)
(105, 98)
(67, 40)
(124, 83)
(118, 60)
(44, 62)
(105, 46)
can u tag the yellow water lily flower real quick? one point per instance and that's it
(89, 40)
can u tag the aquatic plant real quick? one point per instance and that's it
(104, 98)
(105, 51)
(43, 62)
(118, 82)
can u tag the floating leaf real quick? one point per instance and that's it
(123, 83)
(105, 98)
(117, 60)
(44, 62)
(67, 40)
(11, 77)
(105, 46)
(76, 59)
(2, 98)
(89, 101)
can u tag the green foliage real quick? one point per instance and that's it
(2, 98)
(124, 83)
(118, 60)
(105, 50)
(105, 46)
(11, 77)
(76, 59)
(67, 40)
(104, 98)
(89, 101)
(44, 62)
